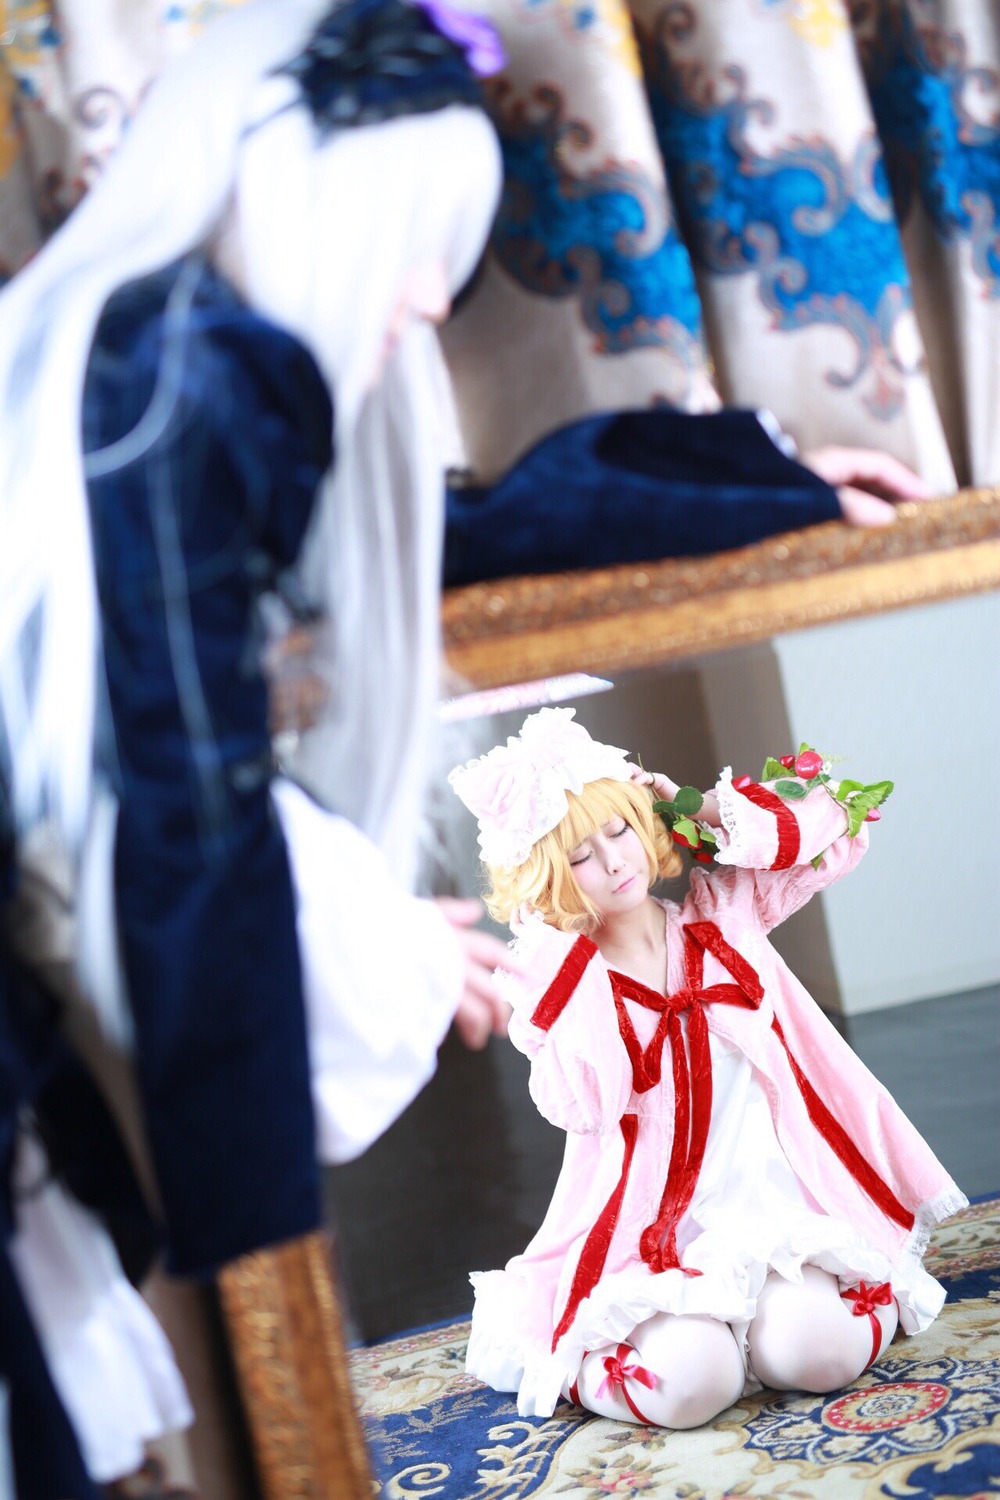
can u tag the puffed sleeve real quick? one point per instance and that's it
(782, 850)
(565, 1022)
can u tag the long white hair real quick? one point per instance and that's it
(326, 231)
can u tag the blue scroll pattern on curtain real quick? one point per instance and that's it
(817, 232)
(603, 236)
(829, 172)
(921, 86)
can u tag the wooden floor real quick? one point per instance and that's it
(462, 1181)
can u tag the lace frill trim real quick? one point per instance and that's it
(951, 1201)
(736, 850)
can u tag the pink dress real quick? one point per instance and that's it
(713, 1134)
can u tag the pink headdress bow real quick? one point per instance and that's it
(518, 791)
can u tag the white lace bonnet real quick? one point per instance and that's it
(518, 790)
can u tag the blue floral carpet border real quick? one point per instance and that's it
(923, 1423)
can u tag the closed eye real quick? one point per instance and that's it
(580, 860)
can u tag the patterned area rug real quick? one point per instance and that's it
(924, 1422)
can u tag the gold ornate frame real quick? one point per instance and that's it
(642, 615)
(282, 1306)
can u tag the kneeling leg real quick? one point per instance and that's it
(674, 1372)
(807, 1337)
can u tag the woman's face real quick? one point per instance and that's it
(611, 868)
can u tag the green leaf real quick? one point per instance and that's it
(708, 837)
(688, 830)
(804, 747)
(773, 768)
(861, 803)
(688, 800)
(857, 810)
(817, 860)
(667, 812)
(847, 789)
(791, 790)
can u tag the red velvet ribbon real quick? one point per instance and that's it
(692, 1082)
(598, 1241)
(552, 1004)
(788, 824)
(866, 1299)
(842, 1146)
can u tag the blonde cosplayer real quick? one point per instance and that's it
(545, 880)
(740, 1204)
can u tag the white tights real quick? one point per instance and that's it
(803, 1338)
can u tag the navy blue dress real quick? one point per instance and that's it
(207, 432)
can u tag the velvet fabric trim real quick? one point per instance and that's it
(552, 1004)
(788, 825)
(647, 1063)
(841, 1144)
(692, 1083)
(598, 1241)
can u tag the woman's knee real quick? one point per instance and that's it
(805, 1337)
(674, 1372)
(699, 1364)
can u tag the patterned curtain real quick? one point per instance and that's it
(793, 201)
(71, 75)
(782, 203)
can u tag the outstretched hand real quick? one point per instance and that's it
(867, 482)
(480, 1013)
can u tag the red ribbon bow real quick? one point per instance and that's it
(867, 1298)
(692, 1082)
(617, 1372)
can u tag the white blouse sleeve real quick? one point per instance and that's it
(382, 974)
(108, 1356)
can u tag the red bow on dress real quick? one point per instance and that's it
(692, 1081)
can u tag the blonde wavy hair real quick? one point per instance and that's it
(545, 880)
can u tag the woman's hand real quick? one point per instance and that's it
(480, 1013)
(662, 785)
(667, 790)
(866, 482)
